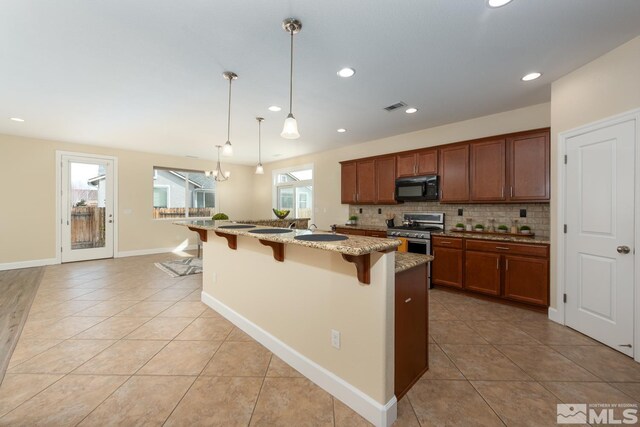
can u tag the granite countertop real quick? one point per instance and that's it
(258, 221)
(354, 245)
(363, 227)
(495, 237)
(408, 260)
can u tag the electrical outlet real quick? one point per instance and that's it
(379, 211)
(335, 339)
(214, 277)
(360, 210)
(460, 212)
(523, 213)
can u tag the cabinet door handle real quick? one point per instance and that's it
(497, 263)
(502, 247)
(511, 192)
(506, 264)
(407, 300)
(502, 193)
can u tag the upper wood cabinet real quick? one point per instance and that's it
(369, 181)
(529, 167)
(454, 173)
(386, 180)
(488, 170)
(348, 187)
(415, 164)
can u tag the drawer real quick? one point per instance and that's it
(447, 242)
(375, 233)
(508, 248)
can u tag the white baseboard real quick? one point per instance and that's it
(555, 316)
(374, 412)
(153, 251)
(28, 264)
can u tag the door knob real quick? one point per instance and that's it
(623, 249)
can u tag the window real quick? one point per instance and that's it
(293, 190)
(182, 194)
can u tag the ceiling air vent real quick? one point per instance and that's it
(395, 106)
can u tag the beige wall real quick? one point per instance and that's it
(602, 88)
(28, 207)
(329, 210)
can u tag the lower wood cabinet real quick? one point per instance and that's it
(514, 271)
(448, 270)
(362, 232)
(411, 333)
(482, 272)
(526, 279)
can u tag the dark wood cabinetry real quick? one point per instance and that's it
(361, 232)
(366, 181)
(420, 163)
(482, 272)
(348, 181)
(447, 268)
(411, 342)
(529, 167)
(386, 180)
(514, 271)
(488, 171)
(454, 173)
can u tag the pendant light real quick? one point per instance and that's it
(227, 150)
(218, 174)
(259, 168)
(290, 129)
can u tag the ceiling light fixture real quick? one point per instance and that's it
(259, 168)
(290, 129)
(531, 76)
(497, 3)
(342, 130)
(16, 119)
(411, 110)
(218, 174)
(274, 108)
(346, 72)
(227, 150)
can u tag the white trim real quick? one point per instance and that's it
(554, 315)
(28, 264)
(378, 414)
(116, 222)
(152, 251)
(559, 316)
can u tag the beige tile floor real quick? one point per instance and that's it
(118, 342)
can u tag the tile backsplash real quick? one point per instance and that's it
(538, 215)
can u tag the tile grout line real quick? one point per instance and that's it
(260, 390)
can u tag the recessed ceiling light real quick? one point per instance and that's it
(497, 3)
(410, 110)
(342, 130)
(274, 108)
(531, 76)
(17, 119)
(346, 72)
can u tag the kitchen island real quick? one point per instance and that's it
(328, 309)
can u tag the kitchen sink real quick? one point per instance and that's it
(271, 231)
(321, 237)
(237, 226)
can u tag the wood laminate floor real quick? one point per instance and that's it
(17, 290)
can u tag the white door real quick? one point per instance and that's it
(600, 234)
(86, 208)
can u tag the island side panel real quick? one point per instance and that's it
(299, 301)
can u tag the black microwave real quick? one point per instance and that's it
(417, 189)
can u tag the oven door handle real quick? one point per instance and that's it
(418, 241)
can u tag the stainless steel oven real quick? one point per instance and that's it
(416, 228)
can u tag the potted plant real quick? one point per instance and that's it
(502, 228)
(353, 220)
(459, 227)
(525, 229)
(479, 227)
(220, 217)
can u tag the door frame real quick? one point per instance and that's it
(558, 314)
(59, 154)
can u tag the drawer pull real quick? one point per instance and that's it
(502, 247)
(445, 243)
(407, 300)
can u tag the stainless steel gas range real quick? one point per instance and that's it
(417, 228)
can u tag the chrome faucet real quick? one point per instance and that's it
(312, 225)
(292, 225)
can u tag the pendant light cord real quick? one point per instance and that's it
(229, 112)
(291, 77)
(259, 142)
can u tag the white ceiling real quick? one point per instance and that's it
(147, 75)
